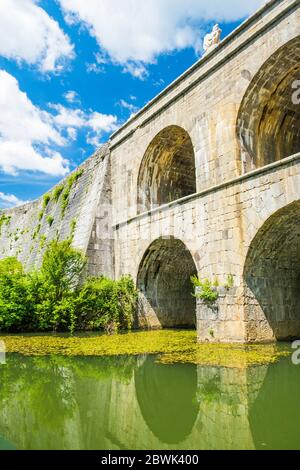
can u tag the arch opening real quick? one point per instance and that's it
(165, 286)
(268, 125)
(167, 172)
(272, 276)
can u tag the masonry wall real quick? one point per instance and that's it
(219, 223)
(206, 104)
(218, 227)
(26, 230)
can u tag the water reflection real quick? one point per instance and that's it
(275, 414)
(135, 403)
(167, 399)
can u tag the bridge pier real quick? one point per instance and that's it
(223, 320)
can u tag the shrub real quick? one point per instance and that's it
(62, 268)
(56, 316)
(127, 298)
(207, 292)
(97, 305)
(54, 299)
(16, 302)
(106, 304)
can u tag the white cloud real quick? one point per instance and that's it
(95, 123)
(29, 34)
(72, 97)
(72, 133)
(66, 117)
(98, 66)
(134, 33)
(10, 200)
(29, 136)
(136, 69)
(26, 133)
(128, 106)
(100, 123)
(94, 68)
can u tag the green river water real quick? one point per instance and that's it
(136, 402)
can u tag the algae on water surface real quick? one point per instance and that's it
(172, 346)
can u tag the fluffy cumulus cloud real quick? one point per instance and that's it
(134, 33)
(29, 34)
(96, 124)
(30, 136)
(26, 133)
(10, 200)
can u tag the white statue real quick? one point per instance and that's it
(212, 39)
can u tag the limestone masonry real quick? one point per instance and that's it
(204, 180)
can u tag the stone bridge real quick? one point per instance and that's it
(205, 180)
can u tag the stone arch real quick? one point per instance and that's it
(165, 287)
(167, 171)
(268, 124)
(272, 277)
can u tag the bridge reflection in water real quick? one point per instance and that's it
(136, 403)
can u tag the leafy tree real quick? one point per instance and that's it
(62, 268)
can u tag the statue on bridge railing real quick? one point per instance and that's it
(212, 40)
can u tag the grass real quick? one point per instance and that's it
(173, 347)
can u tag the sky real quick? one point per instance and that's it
(73, 71)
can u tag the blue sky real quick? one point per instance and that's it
(72, 71)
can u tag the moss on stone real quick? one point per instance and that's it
(50, 220)
(71, 181)
(42, 241)
(57, 192)
(36, 232)
(46, 200)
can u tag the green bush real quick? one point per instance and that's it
(106, 304)
(127, 301)
(16, 301)
(61, 269)
(54, 298)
